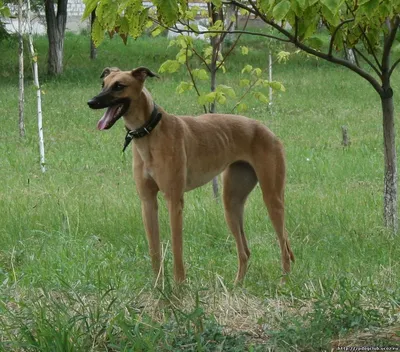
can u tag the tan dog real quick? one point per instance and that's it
(175, 154)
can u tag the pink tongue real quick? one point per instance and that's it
(107, 117)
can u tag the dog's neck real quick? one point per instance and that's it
(140, 111)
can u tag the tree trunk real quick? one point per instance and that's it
(215, 43)
(212, 111)
(93, 49)
(38, 91)
(270, 76)
(55, 32)
(21, 121)
(390, 186)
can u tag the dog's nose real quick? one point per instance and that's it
(92, 103)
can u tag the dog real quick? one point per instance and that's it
(175, 154)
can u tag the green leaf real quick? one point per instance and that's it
(5, 11)
(261, 97)
(333, 5)
(221, 88)
(244, 82)
(332, 18)
(217, 3)
(184, 87)
(315, 42)
(257, 72)
(247, 69)
(90, 5)
(107, 14)
(242, 107)
(245, 50)
(277, 86)
(157, 31)
(369, 7)
(200, 74)
(168, 10)
(97, 33)
(181, 56)
(217, 26)
(280, 10)
(298, 7)
(221, 98)
(283, 56)
(169, 66)
(207, 51)
(207, 98)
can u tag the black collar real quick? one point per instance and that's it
(140, 132)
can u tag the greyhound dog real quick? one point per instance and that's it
(175, 154)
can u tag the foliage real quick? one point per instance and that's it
(189, 55)
(4, 12)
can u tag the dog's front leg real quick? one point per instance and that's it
(150, 220)
(175, 207)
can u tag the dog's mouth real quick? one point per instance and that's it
(113, 114)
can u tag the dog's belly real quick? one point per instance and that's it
(197, 179)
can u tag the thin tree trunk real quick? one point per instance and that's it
(21, 121)
(38, 93)
(212, 111)
(93, 49)
(215, 43)
(390, 186)
(55, 32)
(270, 76)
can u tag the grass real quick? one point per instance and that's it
(74, 268)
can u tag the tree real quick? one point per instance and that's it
(21, 121)
(37, 86)
(56, 23)
(369, 27)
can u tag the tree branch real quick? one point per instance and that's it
(309, 50)
(388, 42)
(394, 66)
(335, 32)
(368, 62)
(233, 46)
(192, 78)
(366, 39)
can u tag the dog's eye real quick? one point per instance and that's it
(119, 86)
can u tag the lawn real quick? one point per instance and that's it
(75, 274)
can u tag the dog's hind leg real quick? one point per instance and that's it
(239, 180)
(270, 170)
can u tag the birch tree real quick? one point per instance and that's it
(21, 122)
(37, 86)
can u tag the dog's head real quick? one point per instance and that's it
(120, 90)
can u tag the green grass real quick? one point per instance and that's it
(74, 268)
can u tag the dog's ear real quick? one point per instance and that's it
(141, 73)
(108, 70)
